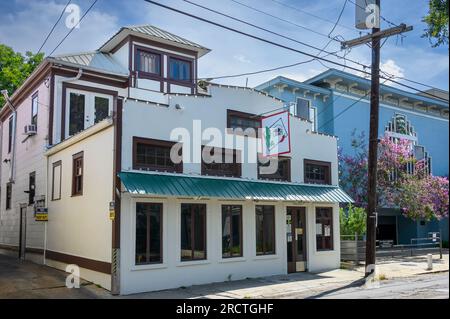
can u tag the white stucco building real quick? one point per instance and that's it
(131, 218)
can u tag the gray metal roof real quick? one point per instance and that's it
(154, 32)
(94, 60)
(157, 32)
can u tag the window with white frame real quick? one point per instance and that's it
(313, 117)
(85, 109)
(34, 108)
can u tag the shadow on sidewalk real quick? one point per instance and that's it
(356, 283)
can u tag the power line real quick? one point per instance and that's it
(339, 18)
(285, 66)
(247, 34)
(270, 31)
(54, 26)
(280, 45)
(312, 15)
(281, 19)
(308, 45)
(70, 31)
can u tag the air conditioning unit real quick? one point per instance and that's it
(30, 130)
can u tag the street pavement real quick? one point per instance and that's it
(405, 279)
(434, 286)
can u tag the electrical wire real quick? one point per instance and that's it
(312, 15)
(281, 19)
(281, 45)
(339, 18)
(70, 31)
(270, 31)
(54, 26)
(344, 57)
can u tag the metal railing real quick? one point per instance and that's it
(353, 247)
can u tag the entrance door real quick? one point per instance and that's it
(23, 232)
(296, 239)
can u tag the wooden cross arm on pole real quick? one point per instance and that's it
(380, 34)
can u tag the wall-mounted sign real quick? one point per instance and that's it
(41, 214)
(276, 134)
(112, 211)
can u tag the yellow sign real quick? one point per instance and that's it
(41, 217)
(112, 214)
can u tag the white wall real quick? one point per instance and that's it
(29, 158)
(173, 273)
(80, 225)
(157, 122)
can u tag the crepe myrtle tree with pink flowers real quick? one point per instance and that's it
(414, 191)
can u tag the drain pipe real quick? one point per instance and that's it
(14, 122)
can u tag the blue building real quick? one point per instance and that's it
(337, 103)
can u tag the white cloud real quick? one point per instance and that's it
(242, 58)
(392, 68)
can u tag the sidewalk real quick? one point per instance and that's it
(303, 285)
(407, 266)
(28, 280)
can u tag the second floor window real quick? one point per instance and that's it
(76, 113)
(282, 165)
(85, 107)
(34, 109)
(221, 162)
(180, 70)
(155, 155)
(244, 121)
(77, 174)
(148, 62)
(317, 172)
(31, 188)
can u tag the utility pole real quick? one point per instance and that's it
(373, 152)
(375, 38)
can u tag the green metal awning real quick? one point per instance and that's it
(235, 189)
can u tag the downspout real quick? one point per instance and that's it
(13, 150)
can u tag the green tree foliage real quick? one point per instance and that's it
(352, 220)
(437, 21)
(15, 68)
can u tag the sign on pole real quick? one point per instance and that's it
(276, 134)
(41, 214)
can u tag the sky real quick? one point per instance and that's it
(24, 24)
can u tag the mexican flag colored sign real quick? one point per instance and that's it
(276, 138)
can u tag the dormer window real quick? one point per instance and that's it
(180, 70)
(148, 62)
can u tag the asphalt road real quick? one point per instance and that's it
(434, 286)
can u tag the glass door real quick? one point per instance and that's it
(296, 239)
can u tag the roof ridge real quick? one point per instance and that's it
(77, 53)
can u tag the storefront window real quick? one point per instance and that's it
(231, 231)
(265, 230)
